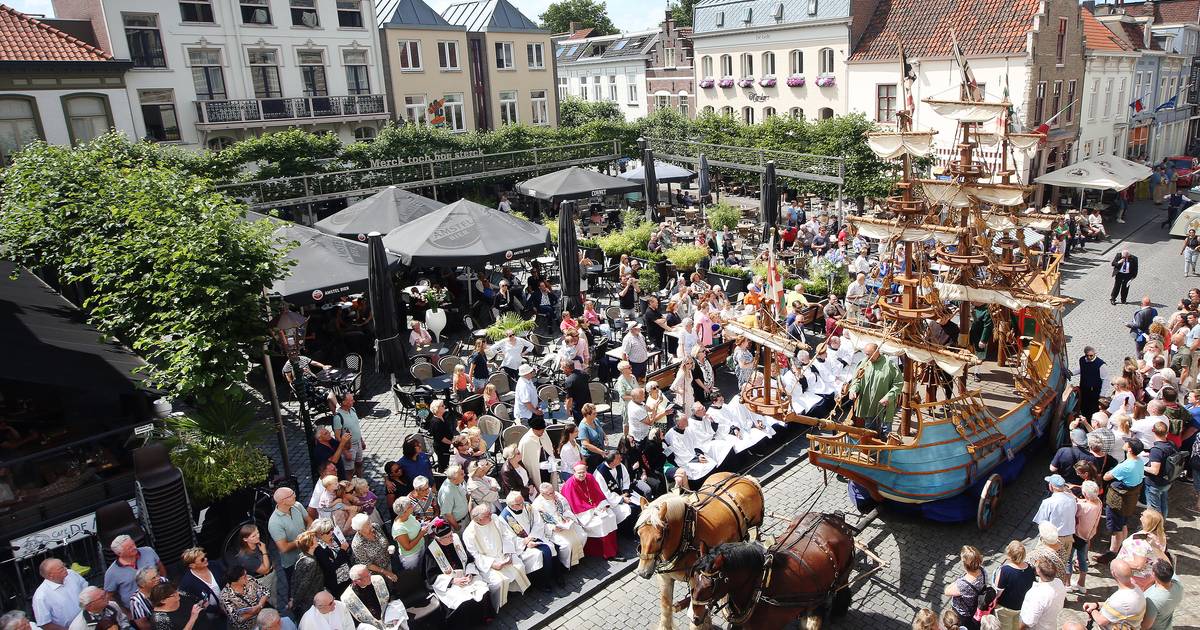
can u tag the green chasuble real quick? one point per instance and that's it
(879, 379)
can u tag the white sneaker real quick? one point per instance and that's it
(1120, 220)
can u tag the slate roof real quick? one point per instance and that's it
(617, 47)
(1096, 36)
(983, 28)
(481, 16)
(412, 14)
(721, 16)
(1166, 11)
(23, 38)
(1130, 33)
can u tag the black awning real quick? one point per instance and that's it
(382, 212)
(466, 234)
(47, 341)
(575, 183)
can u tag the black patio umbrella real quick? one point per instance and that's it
(649, 180)
(390, 354)
(663, 171)
(768, 201)
(568, 257)
(466, 234)
(575, 183)
(704, 183)
(382, 212)
(325, 266)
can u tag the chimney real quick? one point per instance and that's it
(1090, 6)
(574, 26)
(668, 23)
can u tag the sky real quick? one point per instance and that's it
(628, 15)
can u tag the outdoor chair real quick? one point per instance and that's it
(550, 395)
(406, 407)
(422, 371)
(500, 410)
(490, 428)
(116, 519)
(599, 396)
(447, 364)
(555, 433)
(512, 435)
(353, 362)
(503, 387)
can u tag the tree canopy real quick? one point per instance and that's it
(574, 111)
(169, 266)
(682, 12)
(587, 13)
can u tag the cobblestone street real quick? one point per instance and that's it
(916, 577)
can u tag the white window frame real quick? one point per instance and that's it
(509, 109)
(825, 61)
(454, 110)
(536, 54)
(796, 61)
(416, 107)
(662, 101)
(706, 65)
(748, 115)
(631, 89)
(747, 65)
(404, 60)
(583, 88)
(504, 56)
(726, 65)
(668, 56)
(597, 88)
(445, 47)
(768, 63)
(1093, 99)
(1108, 95)
(540, 107)
(685, 105)
(613, 92)
(563, 88)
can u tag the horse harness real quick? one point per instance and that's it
(691, 511)
(758, 595)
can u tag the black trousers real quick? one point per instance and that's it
(1121, 287)
(1089, 401)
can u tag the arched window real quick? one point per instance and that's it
(708, 109)
(706, 66)
(365, 134)
(824, 113)
(748, 115)
(727, 111)
(88, 117)
(825, 56)
(747, 65)
(19, 125)
(796, 113)
(796, 62)
(726, 65)
(220, 143)
(768, 65)
(768, 112)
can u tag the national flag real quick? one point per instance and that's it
(1005, 119)
(1137, 105)
(1170, 104)
(908, 76)
(972, 91)
(774, 278)
(1044, 128)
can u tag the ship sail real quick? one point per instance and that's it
(886, 230)
(1001, 222)
(1018, 141)
(998, 297)
(891, 145)
(952, 361)
(999, 194)
(945, 192)
(968, 111)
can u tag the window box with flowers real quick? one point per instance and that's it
(726, 82)
(767, 81)
(825, 81)
(746, 82)
(795, 80)
(707, 82)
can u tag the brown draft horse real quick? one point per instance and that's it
(674, 527)
(803, 575)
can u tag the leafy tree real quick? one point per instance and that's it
(588, 13)
(574, 112)
(682, 12)
(283, 153)
(173, 269)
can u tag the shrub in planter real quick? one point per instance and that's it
(685, 257)
(212, 446)
(707, 82)
(649, 281)
(723, 215)
(795, 80)
(552, 225)
(509, 321)
(726, 82)
(731, 272)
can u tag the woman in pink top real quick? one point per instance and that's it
(1087, 519)
(703, 329)
(590, 316)
(567, 322)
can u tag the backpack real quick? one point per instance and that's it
(1172, 465)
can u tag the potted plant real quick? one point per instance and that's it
(686, 257)
(746, 82)
(510, 321)
(649, 281)
(707, 82)
(767, 81)
(825, 81)
(723, 215)
(726, 82)
(733, 279)
(795, 80)
(435, 317)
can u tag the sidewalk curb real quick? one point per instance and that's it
(1131, 233)
(543, 619)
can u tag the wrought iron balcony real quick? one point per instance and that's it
(265, 112)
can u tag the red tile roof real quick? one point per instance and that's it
(581, 33)
(1131, 34)
(1096, 36)
(23, 38)
(983, 27)
(1166, 11)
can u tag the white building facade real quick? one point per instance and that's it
(208, 73)
(758, 58)
(1109, 83)
(610, 68)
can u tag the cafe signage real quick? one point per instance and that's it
(58, 535)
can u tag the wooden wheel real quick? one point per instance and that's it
(989, 500)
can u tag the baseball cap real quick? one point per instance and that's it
(1056, 480)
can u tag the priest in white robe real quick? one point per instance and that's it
(451, 574)
(561, 523)
(369, 602)
(614, 480)
(533, 539)
(800, 384)
(690, 445)
(496, 555)
(738, 425)
(327, 613)
(537, 453)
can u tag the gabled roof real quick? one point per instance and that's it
(23, 38)
(1096, 36)
(983, 28)
(582, 33)
(1129, 32)
(412, 14)
(731, 16)
(1166, 11)
(481, 16)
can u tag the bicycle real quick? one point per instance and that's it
(259, 514)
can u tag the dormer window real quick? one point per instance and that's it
(812, 7)
(720, 18)
(748, 16)
(778, 11)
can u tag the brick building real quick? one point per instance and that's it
(670, 75)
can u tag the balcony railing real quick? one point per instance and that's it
(285, 110)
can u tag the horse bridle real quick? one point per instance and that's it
(733, 616)
(686, 536)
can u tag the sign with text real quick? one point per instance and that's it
(58, 535)
(1193, 94)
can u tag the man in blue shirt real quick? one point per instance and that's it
(1126, 479)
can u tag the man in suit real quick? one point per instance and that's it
(1124, 270)
(1139, 326)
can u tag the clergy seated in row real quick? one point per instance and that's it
(696, 442)
(875, 391)
(327, 613)
(590, 504)
(622, 492)
(369, 602)
(537, 454)
(532, 541)
(451, 574)
(497, 556)
(811, 393)
(561, 524)
(736, 423)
